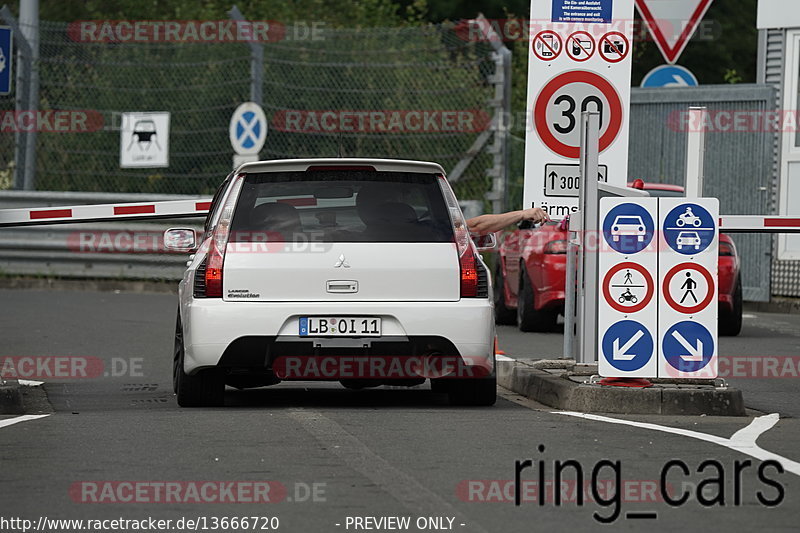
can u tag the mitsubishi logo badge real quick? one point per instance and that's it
(341, 262)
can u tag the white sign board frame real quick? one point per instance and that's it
(563, 82)
(627, 317)
(688, 264)
(144, 140)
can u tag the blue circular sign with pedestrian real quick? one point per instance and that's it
(627, 345)
(669, 76)
(628, 228)
(689, 229)
(688, 346)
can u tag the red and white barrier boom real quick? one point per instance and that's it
(34, 216)
(759, 224)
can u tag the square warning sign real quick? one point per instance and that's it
(585, 11)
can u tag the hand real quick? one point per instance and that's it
(536, 214)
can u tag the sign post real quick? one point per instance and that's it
(6, 60)
(580, 60)
(247, 132)
(672, 23)
(687, 319)
(627, 308)
(144, 140)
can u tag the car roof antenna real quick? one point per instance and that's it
(339, 153)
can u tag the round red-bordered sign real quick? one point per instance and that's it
(544, 47)
(614, 46)
(614, 114)
(649, 288)
(585, 45)
(695, 308)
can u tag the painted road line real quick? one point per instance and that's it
(743, 441)
(18, 419)
(500, 357)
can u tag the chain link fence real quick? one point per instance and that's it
(398, 71)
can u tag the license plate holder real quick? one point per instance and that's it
(339, 326)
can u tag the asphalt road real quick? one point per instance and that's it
(375, 453)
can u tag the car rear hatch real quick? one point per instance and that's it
(338, 233)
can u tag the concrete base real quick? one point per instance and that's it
(552, 383)
(11, 398)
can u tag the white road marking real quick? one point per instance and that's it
(746, 315)
(30, 383)
(743, 441)
(500, 357)
(18, 419)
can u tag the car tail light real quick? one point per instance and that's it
(556, 247)
(219, 241)
(726, 248)
(469, 275)
(466, 255)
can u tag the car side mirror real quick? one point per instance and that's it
(484, 243)
(180, 240)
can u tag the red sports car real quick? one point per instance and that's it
(531, 267)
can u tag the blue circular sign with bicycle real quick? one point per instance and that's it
(689, 229)
(628, 228)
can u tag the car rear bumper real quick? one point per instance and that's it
(243, 331)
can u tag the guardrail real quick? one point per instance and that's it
(75, 235)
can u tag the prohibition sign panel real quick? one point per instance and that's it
(614, 47)
(688, 285)
(560, 103)
(629, 291)
(580, 46)
(547, 45)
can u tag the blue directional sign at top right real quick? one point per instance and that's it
(6, 60)
(689, 229)
(670, 76)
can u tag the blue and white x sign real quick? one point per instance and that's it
(248, 129)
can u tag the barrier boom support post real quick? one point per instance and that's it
(588, 203)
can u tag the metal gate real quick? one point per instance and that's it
(738, 164)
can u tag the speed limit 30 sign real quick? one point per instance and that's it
(591, 72)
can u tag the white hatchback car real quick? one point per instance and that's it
(355, 270)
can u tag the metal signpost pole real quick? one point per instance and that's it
(589, 163)
(256, 61)
(29, 24)
(696, 152)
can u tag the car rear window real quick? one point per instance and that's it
(341, 206)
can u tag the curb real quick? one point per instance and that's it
(560, 392)
(779, 305)
(11, 398)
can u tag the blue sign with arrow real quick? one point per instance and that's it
(627, 345)
(688, 346)
(628, 228)
(670, 76)
(689, 229)
(6, 60)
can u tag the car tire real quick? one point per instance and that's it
(206, 388)
(730, 322)
(528, 318)
(502, 314)
(473, 392)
